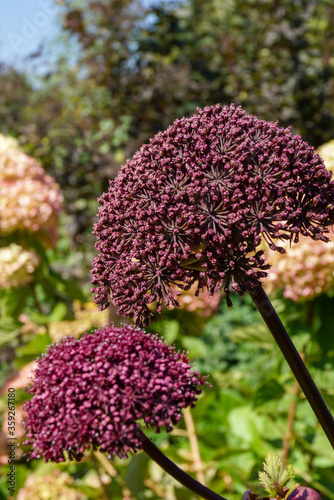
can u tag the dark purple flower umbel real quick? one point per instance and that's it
(194, 204)
(91, 393)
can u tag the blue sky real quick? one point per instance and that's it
(24, 25)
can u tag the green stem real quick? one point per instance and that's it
(303, 377)
(173, 470)
(96, 467)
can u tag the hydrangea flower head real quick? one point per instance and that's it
(91, 392)
(17, 265)
(30, 199)
(194, 203)
(55, 484)
(201, 304)
(304, 272)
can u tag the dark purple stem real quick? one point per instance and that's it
(303, 377)
(173, 470)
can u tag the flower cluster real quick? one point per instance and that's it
(16, 265)
(194, 204)
(55, 484)
(29, 199)
(91, 393)
(304, 272)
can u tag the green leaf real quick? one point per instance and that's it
(135, 474)
(58, 313)
(13, 302)
(6, 336)
(257, 333)
(106, 125)
(35, 347)
(169, 329)
(239, 461)
(267, 391)
(275, 471)
(195, 346)
(274, 478)
(260, 491)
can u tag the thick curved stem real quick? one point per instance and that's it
(303, 377)
(173, 470)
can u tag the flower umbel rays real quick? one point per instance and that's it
(90, 393)
(197, 201)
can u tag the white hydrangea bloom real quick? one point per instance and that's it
(16, 266)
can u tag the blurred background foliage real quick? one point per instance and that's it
(125, 70)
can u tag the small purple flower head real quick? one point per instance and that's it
(194, 204)
(90, 393)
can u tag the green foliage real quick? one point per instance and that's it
(138, 67)
(274, 479)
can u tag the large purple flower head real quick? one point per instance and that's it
(91, 393)
(194, 204)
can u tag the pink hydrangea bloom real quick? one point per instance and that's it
(29, 198)
(202, 303)
(194, 204)
(93, 392)
(304, 272)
